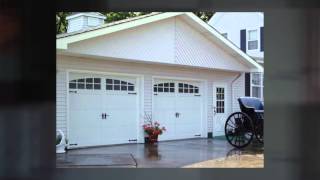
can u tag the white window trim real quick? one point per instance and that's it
(257, 39)
(253, 85)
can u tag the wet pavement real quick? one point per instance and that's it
(200, 153)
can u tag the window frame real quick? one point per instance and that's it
(220, 109)
(164, 86)
(84, 83)
(261, 85)
(249, 40)
(187, 87)
(118, 87)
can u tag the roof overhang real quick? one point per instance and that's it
(138, 61)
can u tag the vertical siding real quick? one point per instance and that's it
(61, 101)
(238, 91)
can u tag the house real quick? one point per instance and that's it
(172, 66)
(246, 31)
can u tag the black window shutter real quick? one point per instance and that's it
(243, 41)
(261, 39)
(247, 84)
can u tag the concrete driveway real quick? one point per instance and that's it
(198, 153)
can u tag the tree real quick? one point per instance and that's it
(205, 16)
(61, 22)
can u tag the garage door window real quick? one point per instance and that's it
(118, 85)
(85, 83)
(164, 87)
(188, 88)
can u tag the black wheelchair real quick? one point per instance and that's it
(241, 127)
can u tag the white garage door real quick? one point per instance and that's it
(102, 110)
(177, 106)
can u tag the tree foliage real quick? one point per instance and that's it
(61, 22)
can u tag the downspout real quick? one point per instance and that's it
(236, 78)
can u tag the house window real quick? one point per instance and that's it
(220, 100)
(167, 87)
(188, 88)
(118, 85)
(252, 39)
(225, 35)
(257, 85)
(85, 83)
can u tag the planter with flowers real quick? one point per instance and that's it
(152, 131)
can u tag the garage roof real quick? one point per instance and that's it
(209, 32)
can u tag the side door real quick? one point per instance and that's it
(219, 108)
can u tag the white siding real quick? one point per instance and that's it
(170, 41)
(75, 24)
(148, 94)
(238, 91)
(193, 48)
(210, 106)
(146, 43)
(61, 101)
(147, 70)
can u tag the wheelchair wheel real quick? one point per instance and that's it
(259, 131)
(239, 130)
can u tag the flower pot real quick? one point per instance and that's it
(151, 139)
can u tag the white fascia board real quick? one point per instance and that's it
(256, 67)
(62, 43)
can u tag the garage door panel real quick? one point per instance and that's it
(85, 101)
(120, 101)
(84, 128)
(87, 125)
(121, 122)
(178, 111)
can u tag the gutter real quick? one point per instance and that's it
(236, 78)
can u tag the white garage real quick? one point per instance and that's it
(170, 66)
